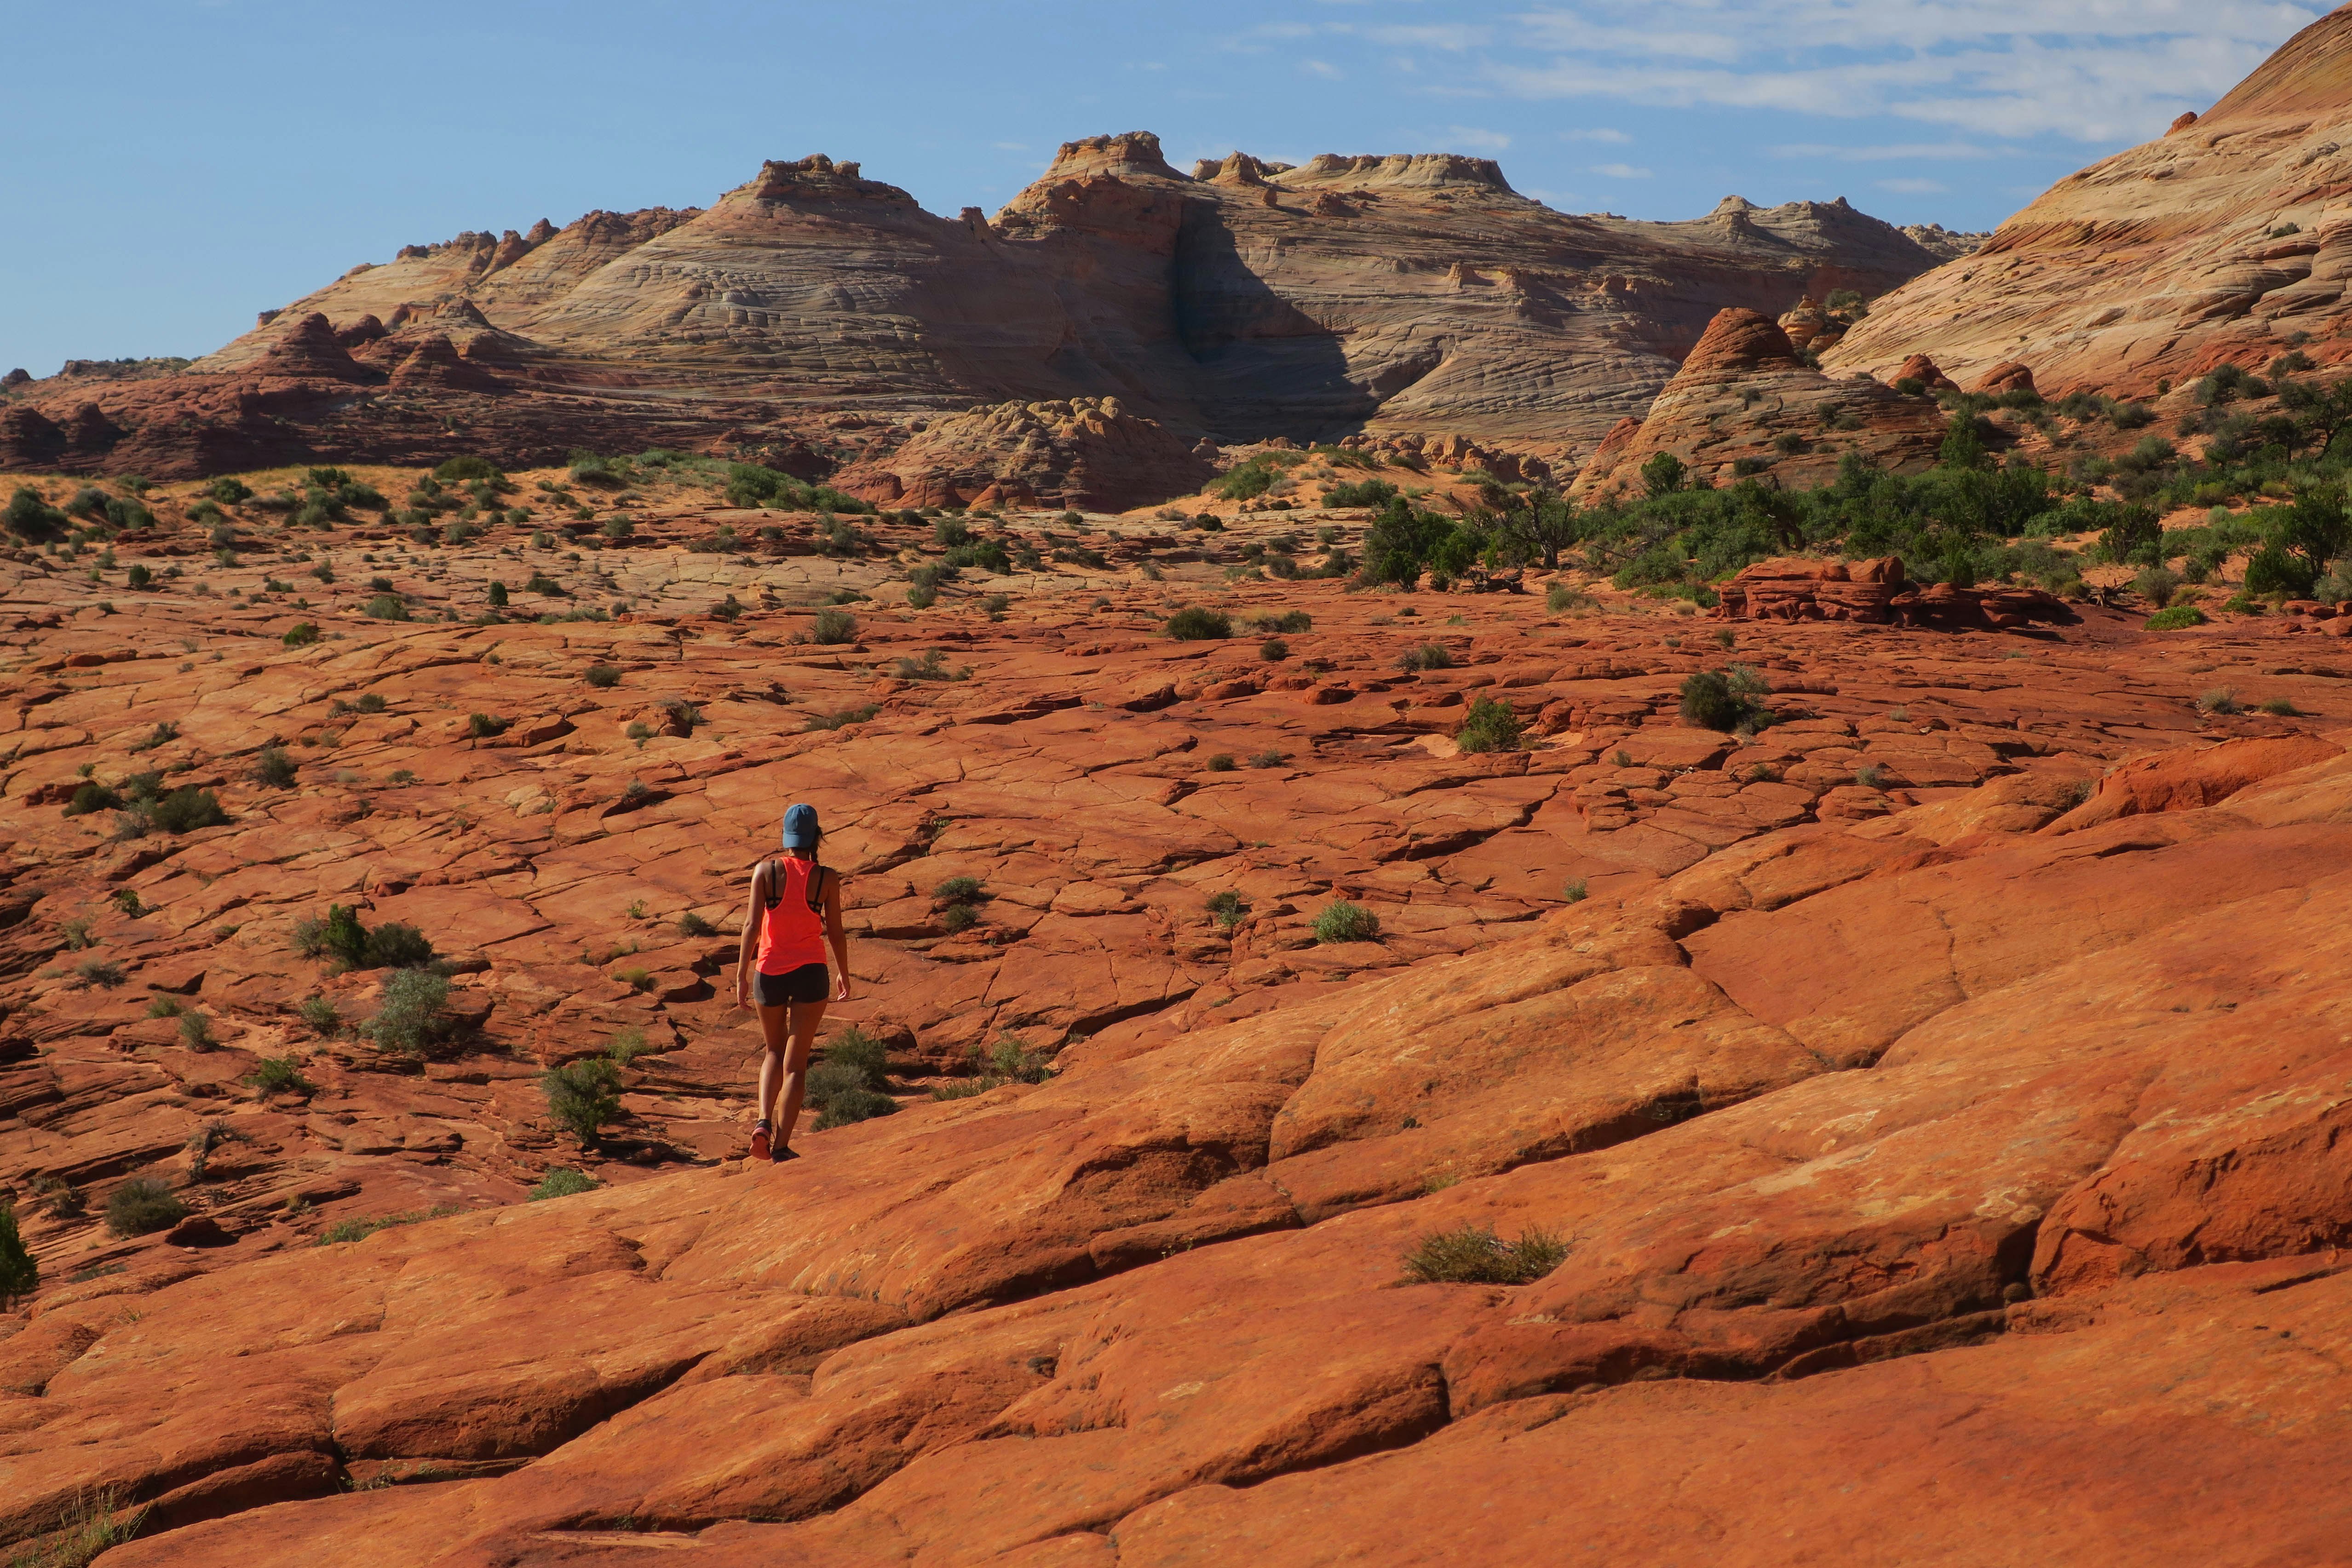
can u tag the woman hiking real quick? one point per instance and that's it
(795, 913)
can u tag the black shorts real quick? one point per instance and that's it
(809, 983)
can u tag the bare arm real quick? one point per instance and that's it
(743, 958)
(837, 936)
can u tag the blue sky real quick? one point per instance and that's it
(174, 165)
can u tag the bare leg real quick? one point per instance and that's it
(805, 1017)
(774, 1033)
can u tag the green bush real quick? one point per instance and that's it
(274, 769)
(692, 925)
(103, 973)
(29, 517)
(1227, 908)
(602, 676)
(1491, 726)
(387, 607)
(834, 626)
(20, 1275)
(2175, 619)
(196, 1031)
(583, 1097)
(456, 471)
(958, 890)
(483, 726)
(1194, 624)
(143, 1206)
(411, 1021)
(1362, 493)
(959, 917)
(320, 1015)
(279, 1075)
(1473, 1255)
(854, 1049)
(92, 797)
(1346, 922)
(2221, 699)
(563, 1182)
(185, 810)
(1273, 650)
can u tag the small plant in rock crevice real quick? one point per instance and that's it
(1473, 1255)
(1345, 922)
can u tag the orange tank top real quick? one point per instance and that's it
(792, 933)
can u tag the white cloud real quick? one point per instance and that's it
(2095, 70)
(1886, 152)
(1914, 187)
(1600, 133)
(1621, 170)
(1471, 136)
(1323, 69)
(1010, 146)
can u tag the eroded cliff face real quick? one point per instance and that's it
(2228, 238)
(1393, 295)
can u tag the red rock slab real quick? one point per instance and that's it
(1962, 1458)
(1953, 931)
(2184, 780)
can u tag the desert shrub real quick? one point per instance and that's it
(1575, 891)
(2177, 618)
(412, 1020)
(845, 717)
(393, 945)
(1267, 760)
(2221, 699)
(692, 925)
(1560, 596)
(1870, 776)
(143, 1206)
(1361, 493)
(855, 1049)
(279, 1075)
(458, 470)
(185, 810)
(563, 1182)
(196, 1031)
(320, 1015)
(2157, 585)
(602, 676)
(1273, 650)
(1473, 1255)
(386, 607)
(588, 468)
(165, 1008)
(958, 890)
(1429, 656)
(484, 727)
(959, 917)
(92, 797)
(1223, 762)
(274, 769)
(1713, 699)
(103, 973)
(1491, 726)
(29, 517)
(842, 1096)
(1346, 922)
(582, 1097)
(20, 1276)
(1194, 624)
(834, 626)
(1226, 908)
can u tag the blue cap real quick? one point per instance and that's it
(800, 832)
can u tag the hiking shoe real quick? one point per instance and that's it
(761, 1132)
(784, 1152)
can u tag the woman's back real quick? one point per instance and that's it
(792, 927)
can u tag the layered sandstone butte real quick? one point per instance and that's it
(1411, 294)
(2224, 241)
(1743, 404)
(1088, 452)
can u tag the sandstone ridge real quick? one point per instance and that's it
(1388, 295)
(2220, 241)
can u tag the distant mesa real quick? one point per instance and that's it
(1357, 294)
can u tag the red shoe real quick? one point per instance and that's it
(760, 1134)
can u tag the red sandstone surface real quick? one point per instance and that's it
(1941, 1085)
